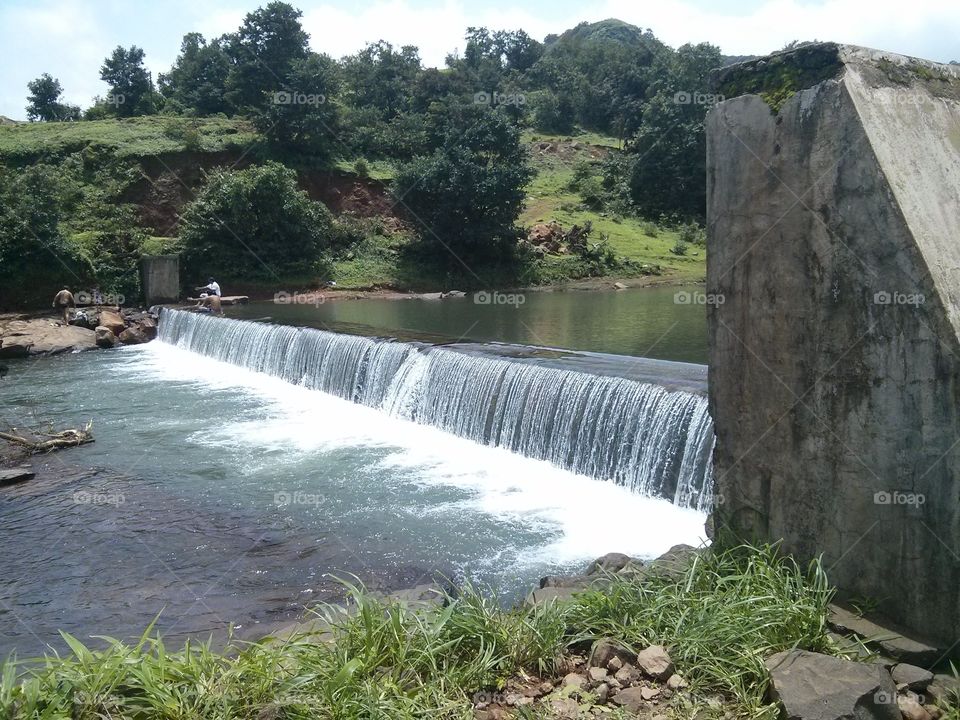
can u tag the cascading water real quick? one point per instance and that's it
(641, 435)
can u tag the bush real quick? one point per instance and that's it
(679, 248)
(692, 234)
(361, 168)
(649, 229)
(254, 224)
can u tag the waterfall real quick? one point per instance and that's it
(641, 435)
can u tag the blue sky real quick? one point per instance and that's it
(70, 38)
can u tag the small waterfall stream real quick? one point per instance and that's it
(655, 441)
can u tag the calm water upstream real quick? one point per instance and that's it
(216, 496)
(657, 322)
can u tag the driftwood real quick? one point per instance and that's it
(51, 441)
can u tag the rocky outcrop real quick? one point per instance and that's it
(833, 218)
(24, 336)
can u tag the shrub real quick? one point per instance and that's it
(679, 248)
(693, 234)
(254, 223)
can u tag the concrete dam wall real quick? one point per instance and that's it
(834, 236)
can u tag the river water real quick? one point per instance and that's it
(218, 497)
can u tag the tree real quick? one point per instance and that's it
(468, 194)
(380, 77)
(44, 101)
(254, 223)
(131, 87)
(196, 84)
(262, 53)
(669, 171)
(302, 116)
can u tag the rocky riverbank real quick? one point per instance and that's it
(26, 335)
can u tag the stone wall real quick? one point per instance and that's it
(161, 278)
(834, 238)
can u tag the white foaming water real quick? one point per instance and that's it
(580, 518)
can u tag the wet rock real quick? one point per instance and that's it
(655, 662)
(15, 347)
(565, 581)
(605, 651)
(133, 336)
(12, 476)
(104, 337)
(149, 327)
(673, 563)
(619, 286)
(611, 562)
(452, 294)
(915, 678)
(425, 596)
(811, 686)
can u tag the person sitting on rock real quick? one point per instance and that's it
(210, 304)
(63, 302)
(211, 288)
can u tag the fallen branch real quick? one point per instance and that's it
(53, 441)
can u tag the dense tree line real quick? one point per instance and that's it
(453, 132)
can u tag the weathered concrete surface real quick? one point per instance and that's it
(834, 237)
(160, 277)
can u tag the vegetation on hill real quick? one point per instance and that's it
(445, 155)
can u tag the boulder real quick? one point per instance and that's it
(11, 476)
(113, 320)
(133, 336)
(607, 649)
(911, 709)
(915, 678)
(655, 662)
(15, 347)
(611, 562)
(105, 337)
(674, 562)
(149, 327)
(631, 699)
(551, 594)
(421, 597)
(812, 686)
(565, 581)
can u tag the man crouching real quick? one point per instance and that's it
(64, 302)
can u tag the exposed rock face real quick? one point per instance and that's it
(835, 355)
(42, 336)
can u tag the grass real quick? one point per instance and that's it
(132, 137)
(720, 620)
(549, 197)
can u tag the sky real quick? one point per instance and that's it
(70, 38)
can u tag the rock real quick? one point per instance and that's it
(112, 320)
(631, 699)
(452, 294)
(915, 678)
(565, 581)
(675, 682)
(597, 674)
(911, 709)
(104, 337)
(619, 286)
(944, 688)
(605, 651)
(611, 562)
(602, 693)
(655, 662)
(133, 336)
(811, 686)
(149, 327)
(551, 594)
(627, 675)
(649, 693)
(575, 680)
(889, 639)
(12, 476)
(15, 347)
(674, 562)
